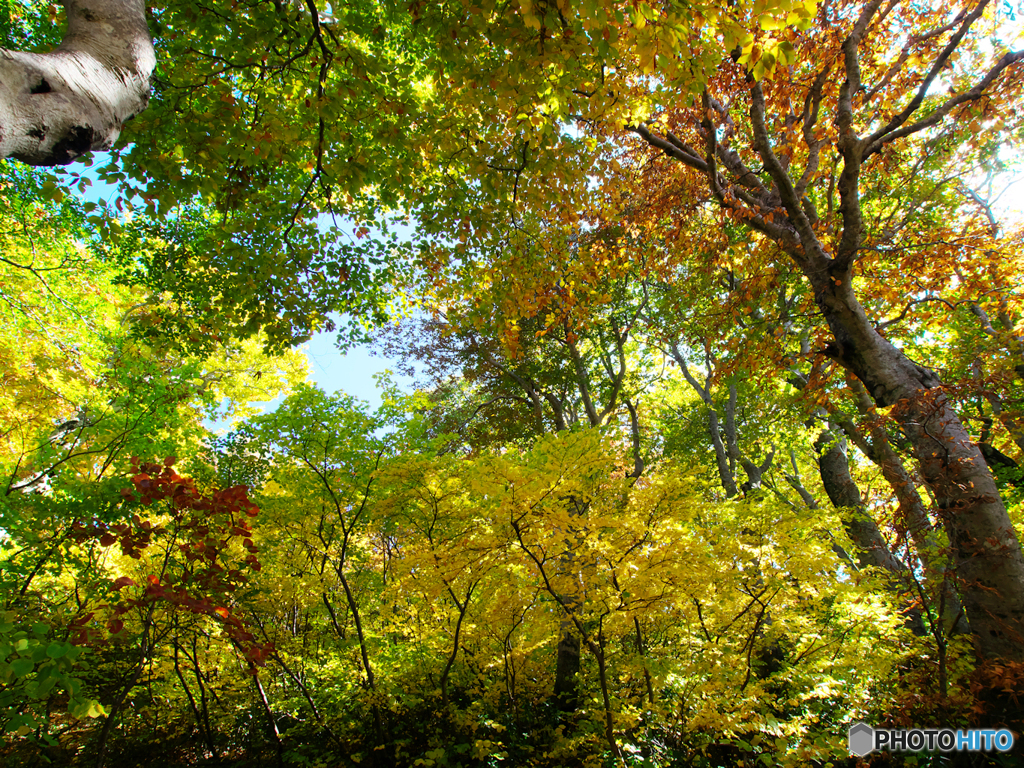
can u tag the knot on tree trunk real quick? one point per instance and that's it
(56, 106)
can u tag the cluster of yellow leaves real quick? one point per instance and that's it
(464, 569)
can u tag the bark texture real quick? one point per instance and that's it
(843, 492)
(913, 518)
(56, 106)
(989, 561)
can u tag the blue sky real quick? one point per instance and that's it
(351, 372)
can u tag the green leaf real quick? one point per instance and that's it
(57, 650)
(87, 708)
(44, 687)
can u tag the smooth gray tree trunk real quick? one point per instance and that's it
(56, 106)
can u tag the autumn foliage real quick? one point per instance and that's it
(716, 434)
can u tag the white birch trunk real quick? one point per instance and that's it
(56, 106)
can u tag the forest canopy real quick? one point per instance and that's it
(717, 328)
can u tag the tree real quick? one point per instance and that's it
(353, 115)
(790, 203)
(87, 385)
(56, 106)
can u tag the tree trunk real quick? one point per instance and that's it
(913, 518)
(985, 546)
(871, 548)
(843, 492)
(56, 106)
(567, 668)
(724, 458)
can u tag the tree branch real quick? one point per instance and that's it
(56, 106)
(940, 62)
(879, 139)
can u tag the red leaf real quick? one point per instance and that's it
(123, 582)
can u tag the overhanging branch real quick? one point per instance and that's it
(56, 106)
